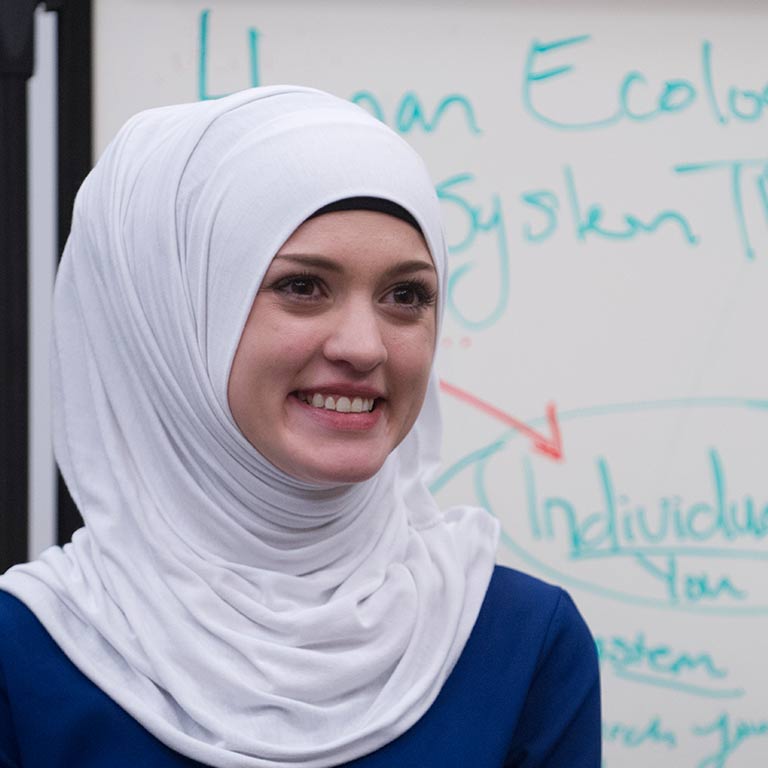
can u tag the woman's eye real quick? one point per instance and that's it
(299, 287)
(413, 295)
(405, 294)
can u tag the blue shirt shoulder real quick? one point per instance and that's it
(524, 693)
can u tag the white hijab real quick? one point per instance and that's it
(244, 618)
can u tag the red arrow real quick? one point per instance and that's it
(549, 446)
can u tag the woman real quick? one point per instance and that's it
(245, 320)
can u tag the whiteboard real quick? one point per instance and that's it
(603, 173)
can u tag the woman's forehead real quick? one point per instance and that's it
(358, 235)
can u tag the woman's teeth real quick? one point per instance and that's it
(341, 404)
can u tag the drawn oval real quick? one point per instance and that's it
(698, 545)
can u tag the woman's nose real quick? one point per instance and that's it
(356, 337)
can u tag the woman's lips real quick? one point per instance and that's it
(340, 403)
(344, 418)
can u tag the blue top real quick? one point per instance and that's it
(524, 692)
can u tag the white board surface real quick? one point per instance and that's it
(603, 169)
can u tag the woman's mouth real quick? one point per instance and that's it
(338, 403)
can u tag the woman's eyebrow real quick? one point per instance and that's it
(310, 260)
(407, 267)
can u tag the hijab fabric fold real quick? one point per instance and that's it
(245, 618)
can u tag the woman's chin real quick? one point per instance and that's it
(336, 471)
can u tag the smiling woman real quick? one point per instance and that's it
(345, 318)
(247, 419)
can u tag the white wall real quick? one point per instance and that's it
(43, 224)
(643, 325)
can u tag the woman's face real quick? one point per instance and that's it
(333, 363)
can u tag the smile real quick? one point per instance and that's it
(338, 403)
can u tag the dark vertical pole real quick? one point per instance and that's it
(75, 155)
(16, 65)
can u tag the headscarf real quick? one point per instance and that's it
(243, 617)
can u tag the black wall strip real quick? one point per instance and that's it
(16, 64)
(75, 151)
